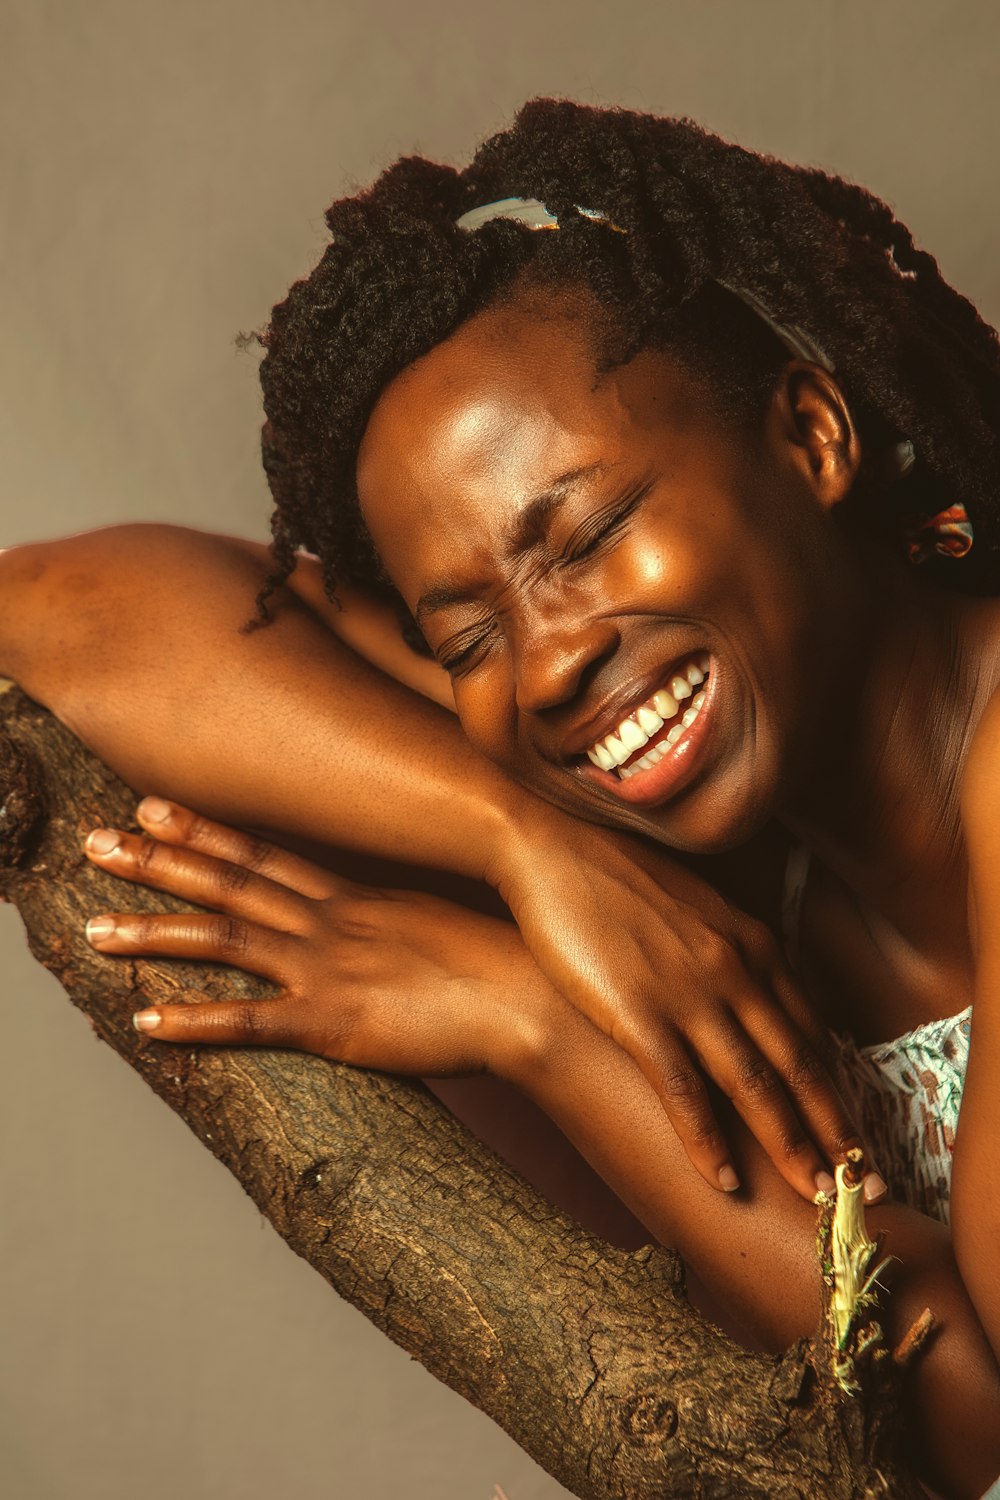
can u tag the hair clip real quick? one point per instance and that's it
(527, 211)
(898, 460)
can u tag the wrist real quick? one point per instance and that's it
(512, 818)
(528, 1018)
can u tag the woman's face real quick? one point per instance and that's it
(594, 558)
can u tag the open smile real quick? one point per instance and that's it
(659, 747)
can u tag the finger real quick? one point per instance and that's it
(227, 1023)
(797, 1007)
(196, 877)
(803, 1051)
(680, 1085)
(757, 1090)
(212, 939)
(819, 1037)
(816, 1097)
(173, 824)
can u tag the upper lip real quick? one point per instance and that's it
(619, 705)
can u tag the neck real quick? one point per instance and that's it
(880, 805)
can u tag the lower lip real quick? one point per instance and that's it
(673, 771)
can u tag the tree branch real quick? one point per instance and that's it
(590, 1357)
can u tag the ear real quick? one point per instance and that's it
(810, 424)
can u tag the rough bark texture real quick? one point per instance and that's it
(590, 1357)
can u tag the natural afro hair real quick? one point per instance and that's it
(913, 356)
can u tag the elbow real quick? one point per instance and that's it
(55, 597)
(22, 570)
(37, 607)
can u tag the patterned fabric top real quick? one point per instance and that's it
(906, 1096)
(905, 1093)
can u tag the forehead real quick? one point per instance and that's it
(460, 442)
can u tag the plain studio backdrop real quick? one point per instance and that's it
(163, 174)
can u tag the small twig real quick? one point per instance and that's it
(913, 1339)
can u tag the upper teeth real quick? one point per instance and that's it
(649, 718)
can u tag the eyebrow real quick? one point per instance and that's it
(526, 533)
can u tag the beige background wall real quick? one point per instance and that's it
(163, 171)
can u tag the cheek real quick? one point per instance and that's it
(681, 575)
(484, 702)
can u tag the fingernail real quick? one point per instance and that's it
(104, 841)
(100, 927)
(875, 1188)
(728, 1179)
(154, 810)
(826, 1184)
(146, 1020)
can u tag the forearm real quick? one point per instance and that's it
(132, 638)
(756, 1251)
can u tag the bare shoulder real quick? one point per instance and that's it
(979, 800)
(980, 784)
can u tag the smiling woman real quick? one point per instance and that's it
(641, 485)
(563, 616)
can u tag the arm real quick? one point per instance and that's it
(976, 1172)
(131, 636)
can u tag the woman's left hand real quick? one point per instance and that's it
(396, 980)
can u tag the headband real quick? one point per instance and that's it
(899, 458)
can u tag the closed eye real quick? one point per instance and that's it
(598, 528)
(451, 659)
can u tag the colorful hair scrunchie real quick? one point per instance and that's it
(948, 533)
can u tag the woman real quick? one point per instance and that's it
(638, 435)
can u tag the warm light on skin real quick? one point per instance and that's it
(733, 550)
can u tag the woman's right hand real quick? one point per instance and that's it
(690, 986)
(402, 981)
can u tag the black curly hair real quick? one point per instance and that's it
(913, 356)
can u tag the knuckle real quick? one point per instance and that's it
(355, 918)
(716, 949)
(149, 856)
(682, 1084)
(757, 1080)
(184, 824)
(250, 1021)
(140, 929)
(232, 879)
(794, 1143)
(257, 854)
(230, 935)
(703, 1137)
(805, 1069)
(761, 945)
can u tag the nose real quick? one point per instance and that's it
(556, 654)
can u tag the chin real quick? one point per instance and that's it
(715, 815)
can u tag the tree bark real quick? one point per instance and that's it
(590, 1357)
